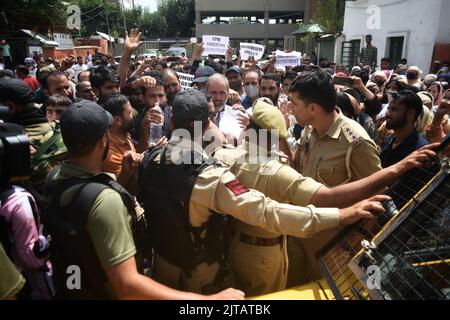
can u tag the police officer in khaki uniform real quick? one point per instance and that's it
(280, 182)
(258, 257)
(216, 190)
(333, 149)
(98, 234)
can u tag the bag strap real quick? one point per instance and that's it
(86, 197)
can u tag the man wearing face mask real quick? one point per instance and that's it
(234, 77)
(413, 76)
(120, 141)
(251, 88)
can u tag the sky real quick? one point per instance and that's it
(149, 4)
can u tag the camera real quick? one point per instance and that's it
(15, 162)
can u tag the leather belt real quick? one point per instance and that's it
(261, 242)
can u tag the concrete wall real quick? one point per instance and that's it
(249, 5)
(422, 23)
(247, 31)
(239, 7)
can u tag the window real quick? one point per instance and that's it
(350, 52)
(395, 45)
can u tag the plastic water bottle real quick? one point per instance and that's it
(156, 128)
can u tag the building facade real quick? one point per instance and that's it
(413, 29)
(125, 4)
(262, 21)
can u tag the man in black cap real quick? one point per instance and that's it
(234, 77)
(18, 97)
(201, 77)
(188, 195)
(91, 218)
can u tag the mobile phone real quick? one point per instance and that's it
(343, 81)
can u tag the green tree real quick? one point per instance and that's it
(95, 12)
(152, 24)
(180, 17)
(330, 15)
(29, 14)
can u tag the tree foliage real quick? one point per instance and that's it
(173, 18)
(180, 17)
(38, 15)
(330, 15)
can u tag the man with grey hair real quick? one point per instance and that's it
(217, 87)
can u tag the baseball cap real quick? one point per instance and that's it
(8, 72)
(269, 117)
(189, 106)
(202, 74)
(16, 91)
(84, 123)
(234, 69)
(30, 61)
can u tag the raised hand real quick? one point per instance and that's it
(132, 41)
(197, 52)
(229, 55)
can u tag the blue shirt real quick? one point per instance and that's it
(246, 103)
(390, 156)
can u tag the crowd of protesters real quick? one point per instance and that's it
(388, 114)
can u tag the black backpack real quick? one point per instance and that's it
(71, 243)
(165, 191)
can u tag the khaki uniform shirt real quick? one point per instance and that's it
(276, 180)
(344, 154)
(217, 190)
(11, 281)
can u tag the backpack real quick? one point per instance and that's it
(165, 191)
(48, 155)
(71, 243)
(38, 282)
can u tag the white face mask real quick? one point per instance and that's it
(251, 91)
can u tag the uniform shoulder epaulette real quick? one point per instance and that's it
(353, 137)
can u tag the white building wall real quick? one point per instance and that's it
(422, 23)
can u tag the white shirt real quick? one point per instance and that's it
(78, 69)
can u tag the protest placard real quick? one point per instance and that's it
(185, 80)
(215, 45)
(251, 50)
(290, 59)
